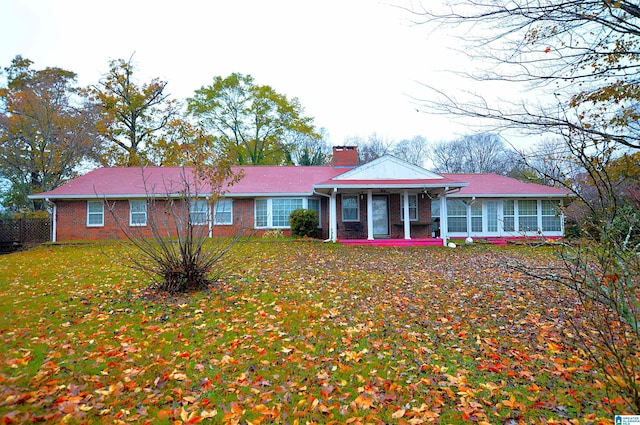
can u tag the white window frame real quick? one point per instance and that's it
(132, 223)
(269, 211)
(357, 208)
(227, 208)
(412, 216)
(199, 211)
(94, 213)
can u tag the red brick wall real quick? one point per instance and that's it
(345, 156)
(71, 221)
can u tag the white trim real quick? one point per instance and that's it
(379, 185)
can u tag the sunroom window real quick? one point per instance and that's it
(551, 216)
(528, 215)
(456, 216)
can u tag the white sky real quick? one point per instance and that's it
(353, 64)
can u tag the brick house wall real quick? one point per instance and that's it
(71, 221)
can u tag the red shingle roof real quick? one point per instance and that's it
(277, 181)
(496, 185)
(135, 181)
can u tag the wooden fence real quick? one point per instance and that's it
(16, 232)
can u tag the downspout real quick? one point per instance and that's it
(211, 214)
(330, 213)
(54, 221)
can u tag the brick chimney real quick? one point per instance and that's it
(345, 156)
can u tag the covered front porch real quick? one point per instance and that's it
(387, 200)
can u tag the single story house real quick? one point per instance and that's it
(384, 199)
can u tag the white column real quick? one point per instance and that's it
(407, 222)
(333, 217)
(369, 215)
(443, 218)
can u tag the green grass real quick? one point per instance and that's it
(297, 332)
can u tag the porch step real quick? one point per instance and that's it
(393, 242)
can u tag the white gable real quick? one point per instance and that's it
(387, 168)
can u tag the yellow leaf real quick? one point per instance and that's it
(398, 414)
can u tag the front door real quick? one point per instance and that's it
(380, 215)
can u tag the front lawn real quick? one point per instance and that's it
(297, 332)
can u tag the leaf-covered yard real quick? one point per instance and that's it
(298, 332)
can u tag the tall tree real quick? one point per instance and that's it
(587, 53)
(312, 150)
(134, 115)
(252, 123)
(46, 129)
(414, 150)
(479, 153)
(374, 147)
(584, 52)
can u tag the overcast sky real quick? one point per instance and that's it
(353, 64)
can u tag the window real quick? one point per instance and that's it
(281, 210)
(551, 216)
(528, 215)
(198, 212)
(137, 213)
(476, 217)
(261, 214)
(508, 216)
(275, 212)
(95, 213)
(456, 216)
(223, 212)
(314, 205)
(350, 208)
(413, 207)
(435, 208)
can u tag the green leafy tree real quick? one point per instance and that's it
(46, 130)
(134, 116)
(251, 123)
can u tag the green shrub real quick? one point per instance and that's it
(304, 223)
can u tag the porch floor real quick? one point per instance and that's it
(393, 242)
